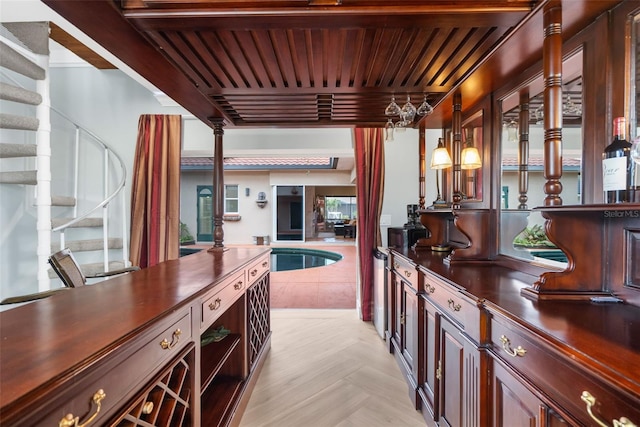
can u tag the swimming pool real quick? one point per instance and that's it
(283, 259)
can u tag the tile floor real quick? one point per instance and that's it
(331, 286)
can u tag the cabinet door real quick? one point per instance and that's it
(514, 405)
(410, 329)
(430, 351)
(450, 370)
(397, 312)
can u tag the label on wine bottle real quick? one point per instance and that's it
(614, 174)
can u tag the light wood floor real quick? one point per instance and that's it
(327, 368)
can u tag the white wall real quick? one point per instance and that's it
(401, 176)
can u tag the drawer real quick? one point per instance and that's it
(560, 377)
(106, 388)
(466, 313)
(222, 297)
(258, 268)
(405, 269)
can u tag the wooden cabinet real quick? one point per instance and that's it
(452, 386)
(128, 351)
(491, 357)
(515, 405)
(406, 322)
(428, 390)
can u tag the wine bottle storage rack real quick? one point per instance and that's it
(167, 401)
(259, 318)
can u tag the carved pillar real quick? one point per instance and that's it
(456, 128)
(422, 167)
(523, 150)
(218, 186)
(552, 68)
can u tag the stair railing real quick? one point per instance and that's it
(108, 197)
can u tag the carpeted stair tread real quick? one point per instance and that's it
(12, 121)
(18, 150)
(88, 245)
(63, 201)
(17, 94)
(19, 177)
(14, 61)
(33, 35)
(86, 222)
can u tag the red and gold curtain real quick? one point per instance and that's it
(155, 191)
(369, 156)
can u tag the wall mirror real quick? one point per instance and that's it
(522, 232)
(471, 150)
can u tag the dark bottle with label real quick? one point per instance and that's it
(617, 166)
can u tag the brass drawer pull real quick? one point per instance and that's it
(254, 272)
(453, 305)
(147, 408)
(70, 421)
(238, 285)
(402, 319)
(265, 264)
(407, 273)
(430, 289)
(215, 305)
(506, 346)
(591, 402)
(175, 337)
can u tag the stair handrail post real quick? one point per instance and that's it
(76, 170)
(105, 211)
(43, 188)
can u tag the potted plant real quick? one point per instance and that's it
(185, 235)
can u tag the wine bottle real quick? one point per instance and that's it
(617, 167)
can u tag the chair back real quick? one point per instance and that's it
(67, 268)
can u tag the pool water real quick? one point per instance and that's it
(284, 259)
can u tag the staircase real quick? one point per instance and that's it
(43, 152)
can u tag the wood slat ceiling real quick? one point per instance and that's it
(287, 63)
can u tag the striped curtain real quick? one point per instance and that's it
(155, 191)
(369, 157)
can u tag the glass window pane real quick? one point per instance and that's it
(231, 206)
(232, 191)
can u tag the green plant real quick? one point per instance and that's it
(533, 237)
(185, 234)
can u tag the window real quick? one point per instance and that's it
(340, 207)
(231, 199)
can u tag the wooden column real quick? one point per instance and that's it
(218, 186)
(552, 68)
(456, 128)
(422, 167)
(523, 150)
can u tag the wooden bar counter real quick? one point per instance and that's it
(129, 349)
(482, 352)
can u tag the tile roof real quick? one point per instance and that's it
(248, 163)
(536, 162)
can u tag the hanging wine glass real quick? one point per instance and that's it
(409, 110)
(425, 108)
(392, 109)
(403, 123)
(388, 130)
